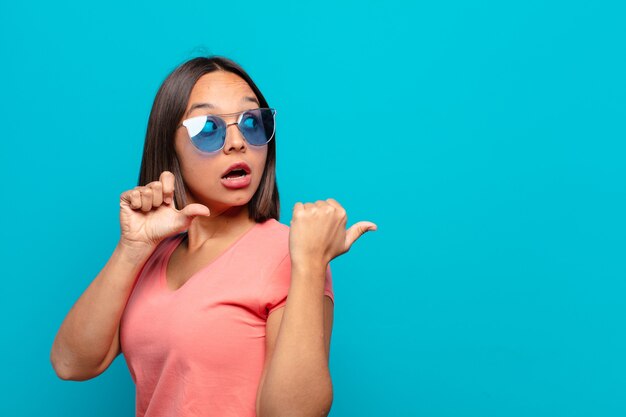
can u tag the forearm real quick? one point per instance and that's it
(88, 331)
(298, 380)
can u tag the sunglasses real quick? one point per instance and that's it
(208, 132)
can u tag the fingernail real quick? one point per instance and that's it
(168, 200)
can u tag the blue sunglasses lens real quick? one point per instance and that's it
(211, 137)
(257, 127)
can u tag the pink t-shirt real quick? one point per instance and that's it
(200, 350)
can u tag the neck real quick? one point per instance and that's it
(220, 224)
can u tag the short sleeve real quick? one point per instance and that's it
(275, 294)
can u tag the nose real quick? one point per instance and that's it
(234, 139)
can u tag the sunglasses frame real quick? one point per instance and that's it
(185, 123)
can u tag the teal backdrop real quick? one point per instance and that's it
(486, 139)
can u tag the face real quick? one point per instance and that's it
(220, 92)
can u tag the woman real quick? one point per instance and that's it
(196, 298)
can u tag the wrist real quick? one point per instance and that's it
(309, 265)
(133, 253)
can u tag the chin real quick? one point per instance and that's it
(238, 200)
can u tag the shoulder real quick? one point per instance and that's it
(153, 264)
(268, 244)
(273, 232)
(274, 226)
(166, 245)
(169, 244)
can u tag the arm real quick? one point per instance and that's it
(296, 379)
(88, 339)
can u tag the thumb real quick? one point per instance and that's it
(357, 230)
(193, 210)
(182, 218)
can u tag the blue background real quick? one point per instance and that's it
(486, 139)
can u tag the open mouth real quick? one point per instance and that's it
(235, 173)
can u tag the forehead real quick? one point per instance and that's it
(225, 91)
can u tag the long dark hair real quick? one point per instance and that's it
(169, 107)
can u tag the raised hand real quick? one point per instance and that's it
(318, 231)
(148, 213)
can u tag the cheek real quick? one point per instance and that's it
(260, 157)
(192, 163)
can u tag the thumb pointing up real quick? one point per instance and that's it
(356, 231)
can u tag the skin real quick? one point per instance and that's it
(295, 379)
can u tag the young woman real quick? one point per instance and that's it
(219, 309)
